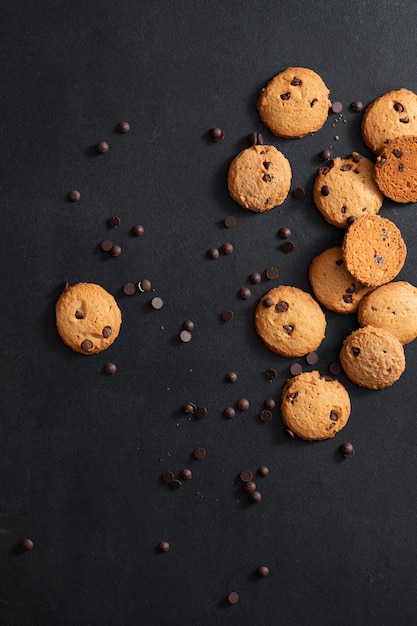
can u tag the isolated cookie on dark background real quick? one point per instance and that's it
(394, 114)
(332, 284)
(314, 407)
(373, 249)
(259, 178)
(396, 169)
(88, 318)
(346, 189)
(393, 307)
(372, 357)
(289, 321)
(294, 103)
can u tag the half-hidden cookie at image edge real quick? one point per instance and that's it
(259, 178)
(88, 318)
(314, 407)
(294, 103)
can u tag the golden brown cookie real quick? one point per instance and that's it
(259, 178)
(87, 318)
(393, 307)
(394, 114)
(294, 103)
(314, 406)
(373, 250)
(346, 189)
(372, 357)
(333, 286)
(290, 322)
(396, 169)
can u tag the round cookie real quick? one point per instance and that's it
(394, 114)
(314, 406)
(393, 307)
(396, 169)
(373, 250)
(289, 321)
(333, 286)
(294, 103)
(259, 178)
(87, 318)
(346, 188)
(372, 357)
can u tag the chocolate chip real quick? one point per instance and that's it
(27, 544)
(285, 96)
(347, 450)
(267, 302)
(231, 377)
(216, 134)
(270, 404)
(334, 368)
(175, 484)
(350, 220)
(245, 293)
(398, 107)
(262, 571)
(295, 369)
(227, 315)
(334, 416)
(357, 106)
(249, 487)
(106, 245)
(102, 147)
(229, 412)
(325, 190)
(157, 303)
(312, 358)
(163, 546)
(144, 285)
(288, 246)
(356, 351)
(186, 474)
(199, 453)
(233, 597)
(267, 178)
(378, 259)
(381, 161)
(168, 477)
(263, 471)
(339, 262)
(86, 345)
(129, 289)
(337, 107)
(404, 120)
(298, 193)
(226, 248)
(325, 155)
(106, 332)
(116, 250)
(242, 404)
(347, 298)
(79, 314)
(265, 415)
(230, 221)
(400, 167)
(74, 195)
(123, 127)
(272, 273)
(201, 412)
(255, 139)
(284, 232)
(188, 325)
(246, 475)
(137, 230)
(110, 369)
(397, 153)
(289, 433)
(255, 278)
(346, 167)
(115, 221)
(255, 497)
(313, 102)
(296, 82)
(189, 408)
(213, 253)
(271, 373)
(288, 328)
(185, 336)
(281, 306)
(267, 164)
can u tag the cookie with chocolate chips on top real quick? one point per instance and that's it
(294, 103)
(88, 318)
(259, 178)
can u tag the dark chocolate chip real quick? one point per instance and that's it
(296, 82)
(229, 412)
(175, 484)
(201, 412)
(397, 153)
(106, 332)
(263, 471)
(313, 102)
(267, 164)
(379, 259)
(312, 358)
(216, 134)
(123, 127)
(116, 250)
(249, 487)
(168, 477)
(346, 167)
(357, 106)
(79, 314)
(255, 497)
(186, 474)
(288, 246)
(199, 453)
(242, 404)
(350, 220)
(189, 408)
(404, 120)
(347, 449)
(284, 232)
(163, 546)
(245, 293)
(267, 302)
(129, 289)
(106, 245)
(188, 325)
(110, 369)
(347, 298)
(295, 369)
(137, 230)
(255, 278)
(185, 336)
(289, 433)
(334, 368)
(400, 167)
(265, 415)
(233, 597)
(86, 345)
(272, 273)
(281, 306)
(227, 315)
(246, 475)
(27, 544)
(231, 377)
(356, 351)
(115, 221)
(267, 178)
(226, 248)
(298, 193)
(325, 155)
(144, 285)
(288, 328)
(270, 404)
(271, 373)
(102, 147)
(285, 96)
(325, 190)
(157, 303)
(398, 107)
(337, 107)
(334, 416)
(74, 195)
(213, 253)
(262, 571)
(230, 221)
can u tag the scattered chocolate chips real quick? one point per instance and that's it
(288, 246)
(325, 190)
(102, 147)
(115, 221)
(86, 345)
(106, 332)
(137, 230)
(255, 278)
(347, 450)
(337, 107)
(272, 273)
(298, 193)
(110, 369)
(74, 195)
(325, 155)
(27, 544)
(246, 475)
(262, 571)
(199, 453)
(106, 245)
(230, 221)
(271, 374)
(157, 303)
(233, 597)
(229, 412)
(213, 253)
(163, 546)
(216, 134)
(245, 293)
(116, 250)
(242, 404)
(123, 127)
(231, 377)
(226, 248)
(129, 289)
(357, 106)
(227, 315)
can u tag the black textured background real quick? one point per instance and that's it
(81, 453)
